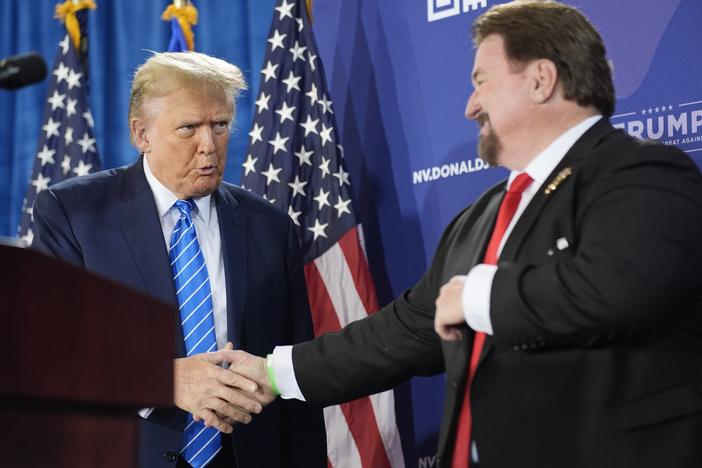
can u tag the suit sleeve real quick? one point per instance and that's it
(635, 264)
(53, 234)
(303, 440)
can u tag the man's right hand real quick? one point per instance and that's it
(214, 394)
(253, 368)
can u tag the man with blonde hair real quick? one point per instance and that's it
(167, 225)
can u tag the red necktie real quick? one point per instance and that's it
(508, 207)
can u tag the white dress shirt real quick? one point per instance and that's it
(478, 285)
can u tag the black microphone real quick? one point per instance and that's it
(21, 70)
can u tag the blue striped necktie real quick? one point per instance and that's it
(192, 284)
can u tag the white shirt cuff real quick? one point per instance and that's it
(285, 373)
(146, 412)
(476, 297)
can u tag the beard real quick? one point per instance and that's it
(488, 145)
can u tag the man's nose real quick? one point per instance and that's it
(472, 107)
(206, 142)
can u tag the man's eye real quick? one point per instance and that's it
(221, 126)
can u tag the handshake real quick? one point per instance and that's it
(222, 396)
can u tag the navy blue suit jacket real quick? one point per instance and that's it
(108, 223)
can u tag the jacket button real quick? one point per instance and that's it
(169, 456)
(515, 347)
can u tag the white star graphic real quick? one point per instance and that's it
(343, 177)
(51, 128)
(255, 133)
(311, 58)
(73, 79)
(61, 73)
(277, 40)
(312, 94)
(304, 156)
(64, 45)
(89, 119)
(291, 81)
(298, 186)
(68, 135)
(285, 9)
(86, 144)
(342, 206)
(326, 104)
(294, 215)
(66, 164)
(310, 125)
(269, 71)
(324, 167)
(271, 174)
(250, 165)
(300, 24)
(82, 169)
(318, 229)
(28, 238)
(269, 200)
(41, 182)
(322, 198)
(278, 143)
(297, 52)
(56, 100)
(341, 150)
(325, 134)
(285, 113)
(71, 107)
(262, 102)
(46, 156)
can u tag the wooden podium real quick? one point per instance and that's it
(79, 355)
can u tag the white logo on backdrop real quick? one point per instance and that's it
(442, 9)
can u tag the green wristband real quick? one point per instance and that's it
(271, 374)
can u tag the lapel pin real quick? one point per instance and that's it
(553, 185)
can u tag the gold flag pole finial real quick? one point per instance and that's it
(308, 3)
(186, 14)
(66, 12)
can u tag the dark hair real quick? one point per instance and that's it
(543, 29)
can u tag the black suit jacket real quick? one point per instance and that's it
(108, 223)
(596, 357)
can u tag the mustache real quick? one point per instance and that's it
(482, 118)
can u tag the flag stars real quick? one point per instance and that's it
(343, 177)
(89, 119)
(292, 81)
(61, 73)
(324, 167)
(86, 144)
(71, 107)
(342, 206)
(285, 10)
(41, 182)
(322, 199)
(271, 174)
(28, 238)
(269, 71)
(300, 24)
(68, 135)
(66, 164)
(304, 156)
(311, 58)
(310, 125)
(46, 156)
(325, 134)
(278, 143)
(312, 94)
(249, 165)
(298, 186)
(64, 44)
(269, 200)
(297, 52)
(73, 79)
(51, 128)
(82, 168)
(318, 229)
(255, 133)
(262, 102)
(294, 215)
(56, 100)
(277, 40)
(285, 113)
(326, 105)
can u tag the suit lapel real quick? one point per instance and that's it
(232, 228)
(138, 216)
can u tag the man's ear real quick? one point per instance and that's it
(544, 79)
(140, 137)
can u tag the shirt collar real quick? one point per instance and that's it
(165, 199)
(545, 162)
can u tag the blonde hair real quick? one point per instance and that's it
(164, 71)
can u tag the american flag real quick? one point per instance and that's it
(67, 144)
(295, 161)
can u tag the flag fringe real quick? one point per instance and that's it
(66, 13)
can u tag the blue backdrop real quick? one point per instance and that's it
(399, 75)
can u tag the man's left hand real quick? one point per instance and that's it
(449, 317)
